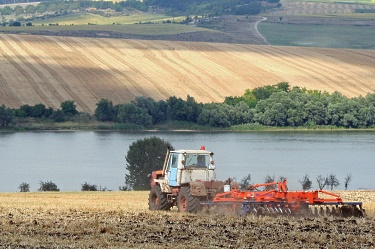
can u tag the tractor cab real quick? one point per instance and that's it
(187, 178)
(184, 166)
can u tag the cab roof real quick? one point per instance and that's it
(191, 151)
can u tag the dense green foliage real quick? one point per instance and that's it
(213, 7)
(277, 106)
(40, 111)
(7, 116)
(143, 157)
(189, 7)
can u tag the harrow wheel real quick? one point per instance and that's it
(157, 200)
(187, 202)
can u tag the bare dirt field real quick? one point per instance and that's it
(121, 220)
(52, 69)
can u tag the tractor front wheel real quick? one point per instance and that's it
(157, 200)
(187, 202)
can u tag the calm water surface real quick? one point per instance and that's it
(71, 158)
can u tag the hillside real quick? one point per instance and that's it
(49, 70)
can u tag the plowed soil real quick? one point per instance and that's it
(50, 70)
(121, 220)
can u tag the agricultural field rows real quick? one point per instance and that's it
(322, 7)
(50, 70)
(122, 219)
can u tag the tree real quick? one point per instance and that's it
(269, 179)
(48, 186)
(89, 187)
(58, 116)
(30, 9)
(40, 8)
(306, 182)
(182, 110)
(347, 180)
(243, 114)
(104, 110)
(7, 116)
(332, 181)
(143, 157)
(130, 113)
(245, 182)
(322, 181)
(250, 98)
(283, 86)
(216, 115)
(40, 111)
(7, 11)
(69, 108)
(18, 10)
(24, 187)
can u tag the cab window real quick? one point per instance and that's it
(196, 160)
(174, 161)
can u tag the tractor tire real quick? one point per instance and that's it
(187, 202)
(157, 200)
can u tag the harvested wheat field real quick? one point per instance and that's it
(122, 220)
(50, 70)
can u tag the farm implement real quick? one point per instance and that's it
(187, 181)
(280, 201)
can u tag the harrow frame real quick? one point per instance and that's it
(281, 201)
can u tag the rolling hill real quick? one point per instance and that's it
(49, 70)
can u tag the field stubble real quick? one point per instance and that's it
(121, 219)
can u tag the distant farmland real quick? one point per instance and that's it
(50, 70)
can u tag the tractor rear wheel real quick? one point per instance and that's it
(187, 202)
(157, 200)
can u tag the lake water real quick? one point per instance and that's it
(70, 158)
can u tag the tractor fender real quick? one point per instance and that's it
(198, 189)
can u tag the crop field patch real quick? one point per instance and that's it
(122, 219)
(84, 19)
(323, 7)
(50, 70)
(334, 36)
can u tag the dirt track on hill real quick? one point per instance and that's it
(50, 70)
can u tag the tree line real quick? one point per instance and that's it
(273, 105)
(190, 7)
(330, 181)
(49, 186)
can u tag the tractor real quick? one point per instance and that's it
(186, 180)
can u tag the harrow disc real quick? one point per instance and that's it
(351, 211)
(337, 211)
